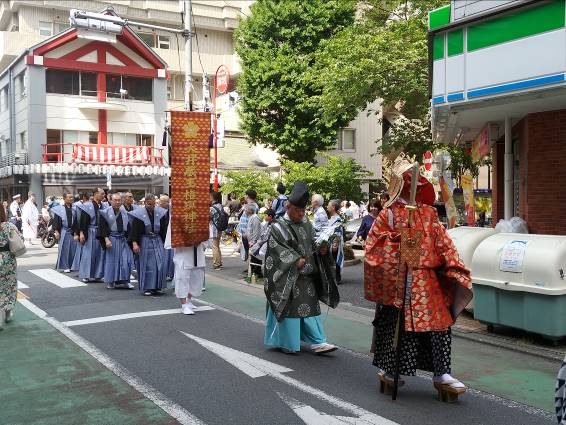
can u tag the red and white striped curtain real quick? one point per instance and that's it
(112, 154)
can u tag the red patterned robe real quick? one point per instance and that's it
(441, 286)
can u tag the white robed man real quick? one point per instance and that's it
(298, 274)
(147, 233)
(16, 211)
(190, 267)
(30, 218)
(113, 235)
(165, 203)
(65, 224)
(91, 267)
(320, 220)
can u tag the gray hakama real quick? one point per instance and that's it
(149, 229)
(92, 256)
(78, 252)
(119, 260)
(170, 253)
(64, 221)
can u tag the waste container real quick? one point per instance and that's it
(519, 281)
(467, 240)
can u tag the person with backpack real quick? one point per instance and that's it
(280, 203)
(218, 223)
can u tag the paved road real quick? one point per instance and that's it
(212, 368)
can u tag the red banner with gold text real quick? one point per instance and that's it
(190, 177)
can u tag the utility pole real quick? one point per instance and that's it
(188, 55)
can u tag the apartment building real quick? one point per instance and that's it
(71, 107)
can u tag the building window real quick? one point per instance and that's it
(4, 99)
(144, 140)
(45, 28)
(23, 141)
(60, 27)
(164, 42)
(21, 85)
(88, 84)
(346, 140)
(125, 87)
(62, 82)
(93, 137)
(53, 149)
(148, 38)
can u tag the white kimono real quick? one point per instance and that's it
(188, 278)
(30, 217)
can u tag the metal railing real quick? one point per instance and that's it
(77, 153)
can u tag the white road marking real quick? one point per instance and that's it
(56, 278)
(256, 368)
(22, 285)
(311, 416)
(125, 316)
(177, 412)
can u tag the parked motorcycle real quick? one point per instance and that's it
(46, 233)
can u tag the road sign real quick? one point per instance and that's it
(427, 160)
(222, 79)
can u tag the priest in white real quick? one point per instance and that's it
(30, 217)
(188, 279)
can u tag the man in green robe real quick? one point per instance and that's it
(298, 275)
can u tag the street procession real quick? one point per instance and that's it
(260, 212)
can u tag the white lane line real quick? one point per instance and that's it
(56, 278)
(256, 367)
(125, 316)
(22, 285)
(168, 406)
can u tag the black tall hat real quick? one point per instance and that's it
(299, 196)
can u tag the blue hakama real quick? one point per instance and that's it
(289, 333)
(119, 260)
(169, 253)
(67, 250)
(152, 270)
(92, 257)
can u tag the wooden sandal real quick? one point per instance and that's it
(447, 393)
(386, 383)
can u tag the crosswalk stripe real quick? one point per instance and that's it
(22, 285)
(56, 278)
(131, 316)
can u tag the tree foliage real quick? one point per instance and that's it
(278, 46)
(239, 182)
(383, 56)
(337, 178)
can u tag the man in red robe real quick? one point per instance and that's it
(436, 290)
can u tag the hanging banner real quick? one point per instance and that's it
(190, 177)
(481, 145)
(469, 206)
(448, 200)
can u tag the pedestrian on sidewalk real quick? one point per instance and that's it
(113, 236)
(436, 291)
(8, 281)
(337, 239)
(65, 224)
(190, 264)
(165, 203)
(320, 221)
(250, 199)
(147, 234)
(91, 266)
(259, 248)
(30, 218)
(218, 222)
(367, 220)
(253, 233)
(280, 203)
(16, 211)
(295, 269)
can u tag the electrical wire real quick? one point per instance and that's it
(236, 7)
(196, 38)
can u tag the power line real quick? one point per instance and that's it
(196, 38)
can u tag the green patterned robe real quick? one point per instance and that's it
(8, 281)
(290, 292)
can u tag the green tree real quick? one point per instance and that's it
(277, 46)
(239, 182)
(337, 178)
(384, 55)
